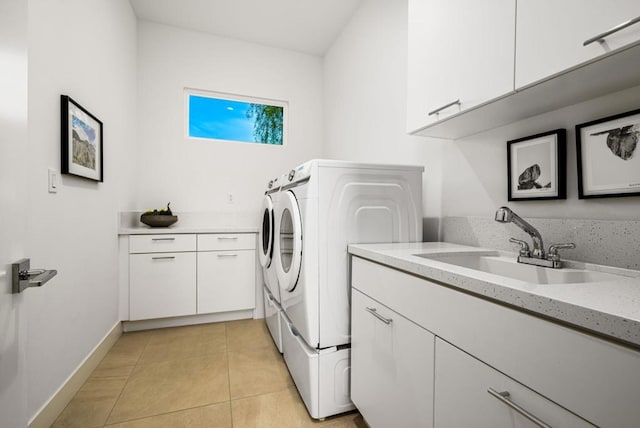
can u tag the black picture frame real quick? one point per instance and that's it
(608, 154)
(537, 157)
(81, 141)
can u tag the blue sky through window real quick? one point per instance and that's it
(219, 119)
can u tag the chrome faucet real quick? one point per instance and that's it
(505, 215)
(537, 255)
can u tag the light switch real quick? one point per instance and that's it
(54, 180)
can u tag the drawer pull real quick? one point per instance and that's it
(504, 397)
(229, 238)
(600, 37)
(163, 239)
(163, 258)
(438, 110)
(375, 313)
(227, 255)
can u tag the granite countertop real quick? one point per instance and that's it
(177, 229)
(207, 222)
(607, 308)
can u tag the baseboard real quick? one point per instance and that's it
(186, 320)
(47, 415)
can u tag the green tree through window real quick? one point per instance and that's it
(267, 123)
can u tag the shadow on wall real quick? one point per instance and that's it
(431, 229)
(475, 168)
(606, 242)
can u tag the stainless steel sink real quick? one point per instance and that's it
(493, 263)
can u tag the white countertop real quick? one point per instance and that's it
(176, 229)
(207, 222)
(610, 308)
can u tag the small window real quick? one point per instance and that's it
(217, 116)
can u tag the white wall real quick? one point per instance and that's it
(475, 173)
(86, 50)
(365, 97)
(365, 81)
(197, 175)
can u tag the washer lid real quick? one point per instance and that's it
(289, 242)
(266, 233)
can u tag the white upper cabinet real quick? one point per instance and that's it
(460, 55)
(551, 34)
(485, 64)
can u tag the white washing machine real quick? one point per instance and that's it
(324, 206)
(266, 238)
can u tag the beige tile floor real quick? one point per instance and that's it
(220, 375)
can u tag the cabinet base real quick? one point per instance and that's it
(186, 320)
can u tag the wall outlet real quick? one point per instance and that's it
(54, 180)
(229, 198)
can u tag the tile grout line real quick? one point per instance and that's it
(262, 393)
(226, 348)
(163, 414)
(126, 383)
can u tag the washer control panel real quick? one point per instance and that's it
(300, 173)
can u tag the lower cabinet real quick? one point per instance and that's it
(162, 285)
(494, 365)
(391, 366)
(174, 275)
(226, 281)
(469, 393)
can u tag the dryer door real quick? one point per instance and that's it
(289, 242)
(266, 233)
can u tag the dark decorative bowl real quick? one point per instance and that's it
(158, 220)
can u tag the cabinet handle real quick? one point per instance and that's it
(231, 238)
(602, 36)
(163, 258)
(504, 398)
(375, 313)
(438, 110)
(163, 239)
(227, 255)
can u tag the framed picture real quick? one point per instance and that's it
(81, 141)
(609, 156)
(536, 167)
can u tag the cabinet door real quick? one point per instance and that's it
(463, 398)
(162, 285)
(391, 366)
(550, 34)
(226, 281)
(457, 50)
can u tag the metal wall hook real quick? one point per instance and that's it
(24, 277)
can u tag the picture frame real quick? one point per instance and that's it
(536, 167)
(608, 154)
(81, 141)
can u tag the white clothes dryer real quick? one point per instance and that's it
(324, 206)
(267, 256)
(266, 237)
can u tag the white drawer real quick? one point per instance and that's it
(594, 378)
(226, 241)
(161, 243)
(469, 393)
(322, 377)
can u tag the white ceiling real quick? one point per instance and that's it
(309, 26)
